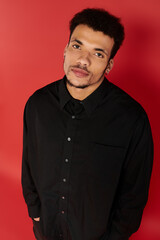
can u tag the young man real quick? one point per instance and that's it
(88, 149)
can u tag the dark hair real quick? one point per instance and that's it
(100, 20)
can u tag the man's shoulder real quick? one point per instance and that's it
(44, 92)
(125, 102)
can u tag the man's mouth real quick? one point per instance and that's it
(79, 72)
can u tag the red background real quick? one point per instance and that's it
(33, 34)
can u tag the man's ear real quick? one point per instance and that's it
(109, 66)
(65, 49)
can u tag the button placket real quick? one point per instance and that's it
(65, 172)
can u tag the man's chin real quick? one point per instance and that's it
(72, 84)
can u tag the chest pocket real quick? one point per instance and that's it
(107, 161)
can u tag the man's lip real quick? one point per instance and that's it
(79, 72)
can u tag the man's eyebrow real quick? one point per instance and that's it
(76, 40)
(101, 50)
(96, 49)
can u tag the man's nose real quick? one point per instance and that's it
(84, 59)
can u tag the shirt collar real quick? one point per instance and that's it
(91, 102)
(64, 95)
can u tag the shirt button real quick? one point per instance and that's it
(73, 117)
(62, 212)
(68, 139)
(66, 160)
(64, 180)
(63, 197)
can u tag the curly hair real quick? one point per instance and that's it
(100, 20)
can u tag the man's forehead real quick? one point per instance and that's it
(86, 35)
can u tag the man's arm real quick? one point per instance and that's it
(29, 190)
(133, 188)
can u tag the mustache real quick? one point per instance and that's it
(81, 67)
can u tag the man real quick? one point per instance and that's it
(88, 149)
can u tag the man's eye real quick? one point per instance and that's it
(76, 46)
(99, 55)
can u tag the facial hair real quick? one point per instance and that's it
(80, 86)
(84, 85)
(83, 68)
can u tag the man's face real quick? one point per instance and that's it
(86, 57)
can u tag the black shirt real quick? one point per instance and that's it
(86, 164)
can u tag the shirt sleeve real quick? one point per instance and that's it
(132, 193)
(29, 190)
